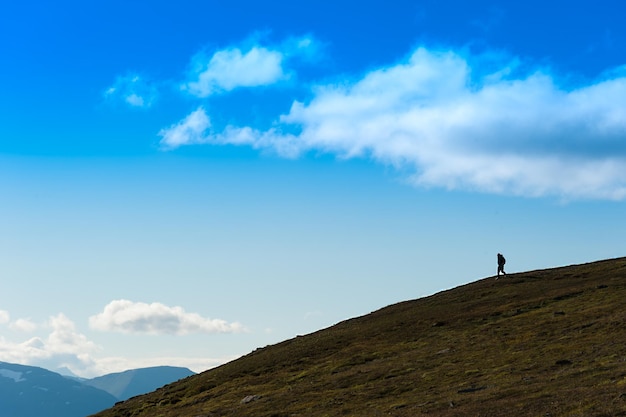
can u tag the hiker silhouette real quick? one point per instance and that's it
(501, 262)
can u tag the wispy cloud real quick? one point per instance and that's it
(23, 325)
(451, 124)
(310, 314)
(132, 90)
(20, 325)
(191, 130)
(195, 129)
(136, 317)
(4, 317)
(252, 66)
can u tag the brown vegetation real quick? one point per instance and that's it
(540, 343)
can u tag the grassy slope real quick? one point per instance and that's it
(540, 343)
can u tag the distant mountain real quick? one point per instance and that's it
(27, 391)
(124, 385)
(67, 372)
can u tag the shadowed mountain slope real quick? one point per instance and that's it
(30, 391)
(124, 385)
(540, 343)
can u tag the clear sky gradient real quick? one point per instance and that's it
(184, 182)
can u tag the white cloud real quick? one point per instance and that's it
(135, 100)
(23, 325)
(4, 317)
(190, 130)
(132, 90)
(252, 65)
(63, 346)
(231, 68)
(195, 129)
(64, 337)
(135, 317)
(439, 115)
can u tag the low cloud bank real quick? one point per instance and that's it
(64, 346)
(58, 344)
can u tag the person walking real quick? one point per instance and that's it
(501, 262)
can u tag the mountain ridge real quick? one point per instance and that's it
(545, 342)
(132, 382)
(30, 391)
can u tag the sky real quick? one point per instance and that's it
(184, 182)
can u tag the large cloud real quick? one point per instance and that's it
(454, 126)
(156, 318)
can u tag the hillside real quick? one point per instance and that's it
(540, 343)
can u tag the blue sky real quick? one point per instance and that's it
(182, 183)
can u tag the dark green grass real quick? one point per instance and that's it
(540, 343)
